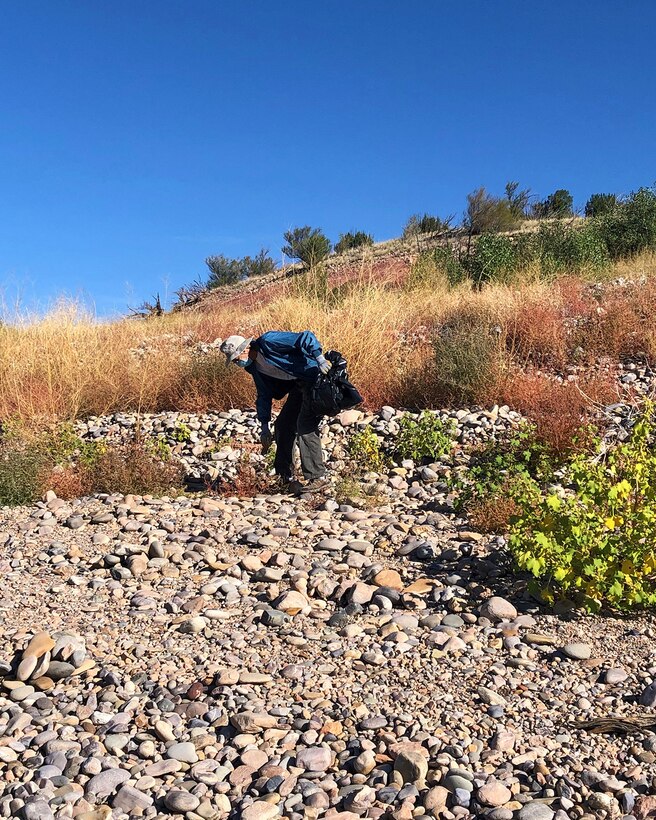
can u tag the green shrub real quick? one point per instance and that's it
(259, 265)
(226, 271)
(436, 268)
(366, 451)
(631, 226)
(559, 248)
(489, 214)
(427, 437)
(496, 476)
(596, 541)
(59, 459)
(309, 245)
(468, 359)
(22, 466)
(359, 239)
(494, 259)
(559, 205)
(600, 204)
(518, 199)
(223, 271)
(426, 223)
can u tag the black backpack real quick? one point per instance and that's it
(332, 393)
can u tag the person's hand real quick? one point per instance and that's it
(266, 440)
(324, 364)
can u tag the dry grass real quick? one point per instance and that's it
(67, 364)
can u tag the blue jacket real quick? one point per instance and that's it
(294, 353)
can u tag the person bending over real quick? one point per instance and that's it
(285, 364)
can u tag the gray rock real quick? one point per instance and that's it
(577, 651)
(106, 782)
(180, 800)
(498, 609)
(535, 811)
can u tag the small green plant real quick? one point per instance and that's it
(489, 489)
(157, 448)
(366, 452)
(596, 540)
(181, 432)
(424, 438)
(349, 240)
(22, 466)
(309, 245)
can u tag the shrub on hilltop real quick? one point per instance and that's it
(418, 224)
(557, 205)
(600, 204)
(486, 213)
(348, 241)
(227, 271)
(309, 245)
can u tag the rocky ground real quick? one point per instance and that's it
(208, 657)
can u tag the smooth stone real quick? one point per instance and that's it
(535, 811)
(411, 765)
(577, 651)
(314, 758)
(498, 609)
(184, 752)
(106, 782)
(179, 800)
(493, 794)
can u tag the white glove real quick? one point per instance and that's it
(324, 364)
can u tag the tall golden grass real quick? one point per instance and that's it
(68, 364)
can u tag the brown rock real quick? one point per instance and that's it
(39, 645)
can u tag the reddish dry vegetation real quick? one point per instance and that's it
(408, 344)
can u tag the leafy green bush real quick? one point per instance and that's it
(631, 226)
(359, 239)
(365, 449)
(494, 481)
(559, 205)
(427, 437)
(596, 541)
(309, 245)
(489, 214)
(494, 259)
(565, 248)
(600, 204)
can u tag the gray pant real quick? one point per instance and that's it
(297, 422)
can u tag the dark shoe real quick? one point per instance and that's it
(291, 487)
(316, 485)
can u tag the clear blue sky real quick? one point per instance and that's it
(139, 137)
